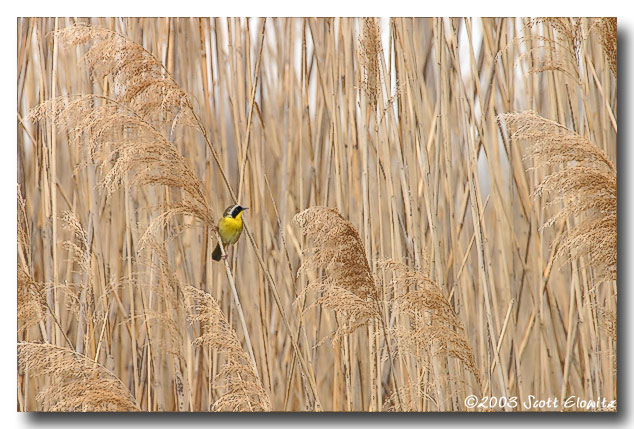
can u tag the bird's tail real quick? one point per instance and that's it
(217, 254)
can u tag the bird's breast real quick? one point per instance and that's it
(230, 229)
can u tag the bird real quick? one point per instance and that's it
(229, 228)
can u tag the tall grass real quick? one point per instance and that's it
(453, 183)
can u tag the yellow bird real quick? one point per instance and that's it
(229, 229)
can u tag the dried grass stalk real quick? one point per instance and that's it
(585, 184)
(244, 390)
(23, 230)
(77, 382)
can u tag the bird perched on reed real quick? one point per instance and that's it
(229, 229)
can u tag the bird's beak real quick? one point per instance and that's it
(244, 208)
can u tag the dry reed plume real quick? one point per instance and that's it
(31, 300)
(122, 145)
(347, 285)
(607, 29)
(244, 390)
(76, 382)
(585, 184)
(139, 80)
(435, 326)
(561, 45)
(370, 50)
(31, 303)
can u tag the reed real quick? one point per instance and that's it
(432, 213)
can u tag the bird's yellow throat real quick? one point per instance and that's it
(230, 228)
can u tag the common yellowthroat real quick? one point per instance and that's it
(229, 229)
